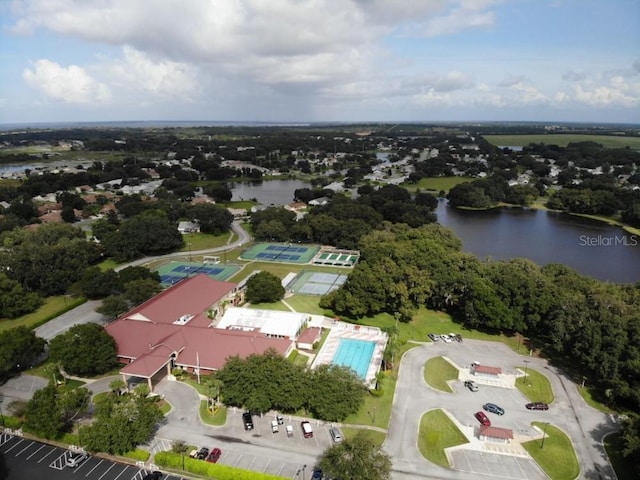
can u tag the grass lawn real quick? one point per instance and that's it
(436, 183)
(587, 396)
(536, 387)
(52, 307)
(438, 371)
(108, 264)
(562, 140)
(376, 437)
(557, 457)
(194, 383)
(307, 304)
(436, 433)
(202, 241)
(219, 419)
(376, 411)
(624, 467)
(271, 306)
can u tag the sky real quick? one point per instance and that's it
(319, 60)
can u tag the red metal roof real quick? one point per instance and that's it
(148, 335)
(310, 335)
(496, 432)
(488, 370)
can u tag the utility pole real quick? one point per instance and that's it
(544, 434)
(526, 365)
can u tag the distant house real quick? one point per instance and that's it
(188, 227)
(318, 202)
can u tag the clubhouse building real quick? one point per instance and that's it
(195, 325)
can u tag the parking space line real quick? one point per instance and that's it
(29, 457)
(267, 465)
(25, 448)
(125, 469)
(252, 462)
(108, 469)
(52, 450)
(97, 465)
(14, 446)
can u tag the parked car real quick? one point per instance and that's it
(456, 337)
(493, 408)
(76, 459)
(483, 419)
(471, 385)
(336, 434)
(537, 406)
(202, 453)
(214, 456)
(155, 475)
(434, 337)
(247, 420)
(445, 338)
(275, 428)
(280, 419)
(317, 474)
(307, 430)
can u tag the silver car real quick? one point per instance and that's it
(76, 459)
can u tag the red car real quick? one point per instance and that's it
(483, 419)
(214, 456)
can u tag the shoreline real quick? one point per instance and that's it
(537, 206)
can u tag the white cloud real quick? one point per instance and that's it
(71, 84)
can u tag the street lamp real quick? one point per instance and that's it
(526, 365)
(544, 434)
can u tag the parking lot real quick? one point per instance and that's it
(27, 460)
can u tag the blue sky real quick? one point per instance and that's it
(320, 60)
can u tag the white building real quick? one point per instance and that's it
(271, 323)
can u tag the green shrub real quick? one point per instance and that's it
(213, 470)
(12, 422)
(137, 454)
(377, 393)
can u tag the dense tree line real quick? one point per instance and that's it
(270, 382)
(342, 221)
(594, 326)
(50, 411)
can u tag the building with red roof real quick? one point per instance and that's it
(495, 434)
(174, 330)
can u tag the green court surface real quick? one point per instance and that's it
(173, 272)
(280, 252)
(316, 283)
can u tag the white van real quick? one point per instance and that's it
(336, 434)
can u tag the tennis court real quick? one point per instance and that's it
(173, 272)
(276, 252)
(316, 283)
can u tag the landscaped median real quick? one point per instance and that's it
(437, 432)
(438, 372)
(175, 461)
(535, 386)
(554, 453)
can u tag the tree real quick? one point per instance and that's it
(43, 416)
(15, 300)
(213, 219)
(337, 392)
(19, 349)
(113, 306)
(137, 291)
(264, 287)
(85, 349)
(356, 459)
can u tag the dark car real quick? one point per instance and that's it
(202, 453)
(471, 385)
(155, 475)
(537, 406)
(483, 419)
(247, 420)
(493, 408)
(214, 456)
(434, 337)
(317, 474)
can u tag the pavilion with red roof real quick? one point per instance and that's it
(173, 330)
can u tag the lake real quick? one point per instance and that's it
(588, 246)
(271, 192)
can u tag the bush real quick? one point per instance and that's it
(137, 454)
(12, 422)
(213, 470)
(377, 393)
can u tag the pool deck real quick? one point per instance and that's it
(341, 330)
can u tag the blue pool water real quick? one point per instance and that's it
(355, 354)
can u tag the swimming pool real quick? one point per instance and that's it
(355, 354)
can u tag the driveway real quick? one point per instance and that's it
(583, 424)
